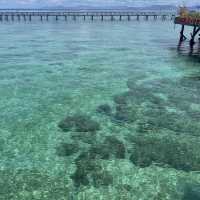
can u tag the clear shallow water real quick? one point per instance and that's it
(143, 143)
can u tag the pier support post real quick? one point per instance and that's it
(101, 17)
(193, 34)
(6, 17)
(147, 17)
(120, 18)
(12, 17)
(92, 17)
(172, 17)
(84, 17)
(41, 18)
(56, 17)
(18, 17)
(0, 17)
(24, 17)
(74, 17)
(30, 18)
(163, 17)
(138, 17)
(182, 36)
(47, 17)
(129, 17)
(112, 18)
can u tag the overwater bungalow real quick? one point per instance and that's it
(188, 18)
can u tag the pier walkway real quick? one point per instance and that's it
(28, 15)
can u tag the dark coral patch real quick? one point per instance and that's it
(191, 192)
(116, 147)
(102, 178)
(104, 109)
(89, 171)
(100, 151)
(110, 148)
(66, 149)
(79, 123)
(176, 152)
(121, 99)
(125, 114)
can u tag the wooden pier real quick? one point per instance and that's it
(188, 21)
(29, 15)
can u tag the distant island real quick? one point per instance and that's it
(85, 7)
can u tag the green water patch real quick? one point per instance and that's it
(32, 184)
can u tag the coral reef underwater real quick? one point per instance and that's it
(91, 112)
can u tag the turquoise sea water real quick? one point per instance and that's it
(98, 110)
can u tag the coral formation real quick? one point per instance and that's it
(173, 151)
(67, 149)
(79, 123)
(89, 171)
(191, 192)
(104, 109)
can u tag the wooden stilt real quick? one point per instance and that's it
(195, 31)
(182, 36)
